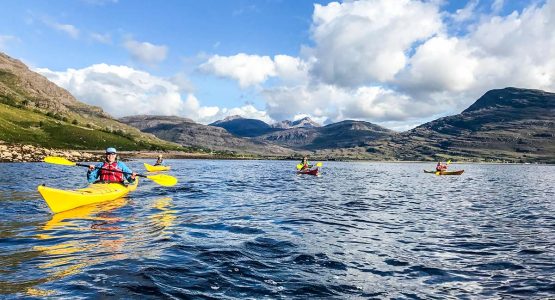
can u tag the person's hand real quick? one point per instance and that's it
(91, 167)
(133, 175)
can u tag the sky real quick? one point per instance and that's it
(396, 63)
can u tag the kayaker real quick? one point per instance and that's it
(96, 174)
(305, 164)
(159, 161)
(441, 167)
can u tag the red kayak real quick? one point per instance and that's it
(309, 172)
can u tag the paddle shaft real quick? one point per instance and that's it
(117, 171)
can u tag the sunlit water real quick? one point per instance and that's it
(255, 229)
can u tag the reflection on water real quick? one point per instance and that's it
(60, 249)
(253, 229)
(165, 216)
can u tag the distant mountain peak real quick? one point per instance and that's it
(305, 122)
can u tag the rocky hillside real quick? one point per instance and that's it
(508, 124)
(345, 134)
(189, 133)
(35, 111)
(21, 86)
(302, 123)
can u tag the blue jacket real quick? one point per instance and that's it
(94, 175)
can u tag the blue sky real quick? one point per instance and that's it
(393, 62)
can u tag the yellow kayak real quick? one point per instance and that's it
(152, 168)
(62, 200)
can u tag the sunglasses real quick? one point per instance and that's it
(110, 153)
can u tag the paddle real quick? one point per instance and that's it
(161, 179)
(448, 162)
(318, 164)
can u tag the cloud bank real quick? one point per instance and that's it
(123, 91)
(397, 61)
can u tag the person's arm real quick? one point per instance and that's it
(124, 168)
(92, 175)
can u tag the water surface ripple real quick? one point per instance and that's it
(255, 229)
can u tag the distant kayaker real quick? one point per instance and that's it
(441, 167)
(96, 174)
(159, 161)
(305, 164)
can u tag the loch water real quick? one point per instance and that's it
(257, 230)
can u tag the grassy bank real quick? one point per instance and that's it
(24, 126)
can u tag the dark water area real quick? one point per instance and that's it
(256, 230)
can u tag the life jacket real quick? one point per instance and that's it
(107, 176)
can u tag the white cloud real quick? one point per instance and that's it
(440, 64)
(124, 91)
(183, 82)
(101, 38)
(146, 52)
(497, 6)
(363, 42)
(68, 29)
(251, 70)
(332, 103)
(466, 13)
(291, 70)
(246, 69)
(246, 111)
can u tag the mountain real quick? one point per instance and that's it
(243, 127)
(188, 133)
(302, 123)
(343, 134)
(35, 111)
(509, 124)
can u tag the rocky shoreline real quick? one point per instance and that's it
(30, 153)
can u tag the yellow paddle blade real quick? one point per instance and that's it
(163, 179)
(449, 161)
(58, 161)
(319, 164)
(299, 166)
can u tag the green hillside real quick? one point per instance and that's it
(21, 125)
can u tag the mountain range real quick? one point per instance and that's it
(509, 124)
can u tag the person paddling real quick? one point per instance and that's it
(96, 174)
(305, 164)
(159, 161)
(441, 167)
